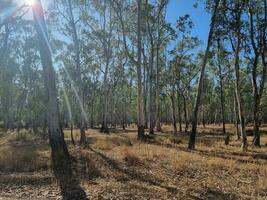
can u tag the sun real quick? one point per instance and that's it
(30, 2)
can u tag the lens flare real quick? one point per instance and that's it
(30, 2)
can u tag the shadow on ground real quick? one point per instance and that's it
(211, 194)
(69, 185)
(132, 174)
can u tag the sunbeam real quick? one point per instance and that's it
(76, 94)
(30, 2)
(66, 98)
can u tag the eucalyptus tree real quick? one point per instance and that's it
(191, 144)
(256, 54)
(60, 154)
(67, 10)
(221, 72)
(102, 29)
(135, 57)
(21, 91)
(4, 62)
(31, 98)
(11, 43)
(184, 56)
(156, 36)
(151, 42)
(160, 44)
(8, 72)
(140, 105)
(169, 78)
(233, 12)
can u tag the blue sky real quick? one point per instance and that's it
(175, 9)
(198, 15)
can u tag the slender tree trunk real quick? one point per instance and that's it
(237, 85)
(124, 113)
(173, 112)
(151, 63)
(185, 113)
(104, 127)
(257, 97)
(203, 116)
(191, 144)
(240, 113)
(236, 120)
(259, 49)
(140, 105)
(106, 46)
(60, 154)
(71, 134)
(145, 83)
(227, 136)
(92, 108)
(78, 73)
(158, 126)
(256, 139)
(179, 111)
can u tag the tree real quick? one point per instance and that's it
(140, 105)
(221, 57)
(257, 24)
(77, 78)
(191, 144)
(60, 154)
(237, 13)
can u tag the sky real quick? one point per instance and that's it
(176, 8)
(199, 16)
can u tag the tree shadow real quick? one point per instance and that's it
(132, 174)
(69, 185)
(211, 194)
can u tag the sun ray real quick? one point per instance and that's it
(30, 2)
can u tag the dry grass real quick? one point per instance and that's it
(117, 166)
(23, 153)
(130, 157)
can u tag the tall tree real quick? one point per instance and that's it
(140, 105)
(237, 11)
(191, 144)
(60, 154)
(255, 50)
(220, 57)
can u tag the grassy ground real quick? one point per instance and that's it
(117, 166)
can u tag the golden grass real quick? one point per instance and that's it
(211, 165)
(119, 162)
(108, 142)
(130, 157)
(22, 153)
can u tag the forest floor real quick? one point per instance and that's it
(117, 166)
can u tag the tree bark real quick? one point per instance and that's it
(140, 105)
(236, 120)
(259, 49)
(151, 63)
(191, 144)
(60, 154)
(237, 82)
(173, 113)
(227, 136)
(158, 126)
(179, 112)
(78, 73)
(185, 113)
(71, 134)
